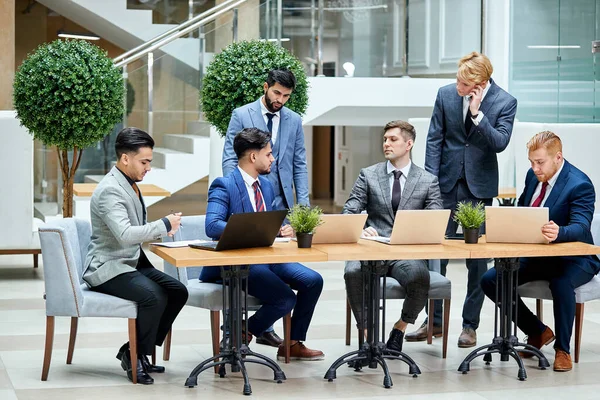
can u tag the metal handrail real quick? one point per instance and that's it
(176, 32)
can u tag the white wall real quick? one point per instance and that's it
(16, 181)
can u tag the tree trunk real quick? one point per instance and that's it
(68, 176)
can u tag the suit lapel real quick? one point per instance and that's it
(409, 188)
(129, 190)
(256, 116)
(242, 191)
(458, 106)
(562, 180)
(384, 184)
(530, 189)
(282, 134)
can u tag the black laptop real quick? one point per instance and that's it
(246, 230)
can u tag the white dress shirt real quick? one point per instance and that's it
(551, 183)
(467, 102)
(390, 171)
(276, 119)
(249, 181)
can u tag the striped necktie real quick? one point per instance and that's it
(258, 199)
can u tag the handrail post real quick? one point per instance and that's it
(202, 52)
(405, 55)
(313, 35)
(150, 92)
(320, 39)
(125, 96)
(279, 21)
(234, 24)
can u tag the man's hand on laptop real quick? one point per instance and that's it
(175, 220)
(286, 231)
(369, 231)
(550, 231)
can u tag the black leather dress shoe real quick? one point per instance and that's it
(269, 339)
(395, 340)
(122, 350)
(149, 367)
(142, 376)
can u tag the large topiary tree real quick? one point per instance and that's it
(68, 94)
(236, 76)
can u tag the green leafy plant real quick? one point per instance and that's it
(68, 94)
(469, 215)
(236, 76)
(304, 219)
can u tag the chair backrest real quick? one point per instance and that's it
(192, 228)
(596, 229)
(64, 245)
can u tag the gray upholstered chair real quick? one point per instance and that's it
(540, 290)
(440, 288)
(64, 245)
(204, 294)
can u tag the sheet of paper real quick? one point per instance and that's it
(282, 239)
(376, 238)
(181, 243)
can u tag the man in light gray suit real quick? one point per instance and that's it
(287, 137)
(472, 121)
(116, 264)
(381, 190)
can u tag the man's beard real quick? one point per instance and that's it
(270, 106)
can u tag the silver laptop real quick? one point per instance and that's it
(515, 224)
(340, 228)
(417, 227)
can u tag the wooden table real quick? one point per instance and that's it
(147, 189)
(506, 257)
(236, 352)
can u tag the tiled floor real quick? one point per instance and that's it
(96, 374)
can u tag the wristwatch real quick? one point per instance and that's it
(474, 116)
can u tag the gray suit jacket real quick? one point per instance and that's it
(450, 148)
(371, 193)
(118, 230)
(291, 161)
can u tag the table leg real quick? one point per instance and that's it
(235, 351)
(505, 340)
(373, 352)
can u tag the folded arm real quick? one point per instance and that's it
(498, 136)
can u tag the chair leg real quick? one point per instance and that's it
(154, 356)
(539, 309)
(35, 261)
(167, 346)
(446, 327)
(48, 346)
(430, 322)
(215, 330)
(348, 322)
(72, 337)
(578, 328)
(133, 348)
(287, 332)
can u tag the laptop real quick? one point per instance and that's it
(515, 224)
(340, 228)
(246, 230)
(417, 227)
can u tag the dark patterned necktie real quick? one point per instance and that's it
(540, 198)
(258, 199)
(396, 191)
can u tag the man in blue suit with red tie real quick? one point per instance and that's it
(569, 194)
(245, 190)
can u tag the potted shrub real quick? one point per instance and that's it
(304, 220)
(470, 216)
(235, 77)
(68, 94)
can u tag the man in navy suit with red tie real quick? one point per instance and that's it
(569, 194)
(244, 189)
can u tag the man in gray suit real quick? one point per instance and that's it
(116, 264)
(472, 121)
(269, 114)
(380, 190)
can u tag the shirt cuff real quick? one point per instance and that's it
(167, 224)
(477, 120)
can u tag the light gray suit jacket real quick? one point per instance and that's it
(118, 230)
(371, 193)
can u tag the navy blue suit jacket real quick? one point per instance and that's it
(571, 204)
(450, 146)
(228, 195)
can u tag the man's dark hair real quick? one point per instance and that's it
(131, 140)
(283, 76)
(250, 139)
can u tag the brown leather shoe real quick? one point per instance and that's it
(421, 334)
(299, 351)
(467, 338)
(562, 361)
(538, 341)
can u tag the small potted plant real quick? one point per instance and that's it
(304, 220)
(470, 216)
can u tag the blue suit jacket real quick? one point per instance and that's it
(449, 146)
(291, 161)
(226, 196)
(571, 204)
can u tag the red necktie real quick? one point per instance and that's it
(540, 198)
(258, 199)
